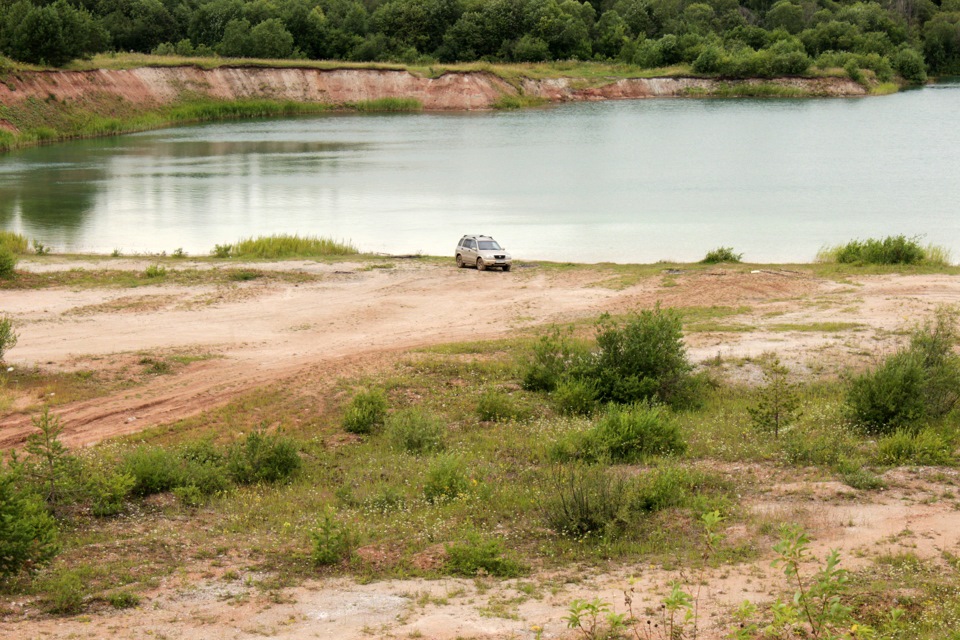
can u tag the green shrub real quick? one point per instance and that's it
(155, 271)
(925, 448)
(446, 479)
(154, 470)
(889, 397)
(123, 600)
(479, 556)
(263, 458)
(222, 251)
(637, 433)
(209, 478)
(414, 431)
(108, 489)
(8, 337)
(862, 479)
(366, 412)
(721, 254)
(921, 381)
(189, 495)
(556, 355)
(8, 263)
(575, 445)
(582, 501)
(575, 397)
(65, 593)
(28, 534)
(820, 447)
(496, 406)
(332, 540)
(641, 357)
(661, 489)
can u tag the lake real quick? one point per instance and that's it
(628, 181)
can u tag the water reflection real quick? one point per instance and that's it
(50, 197)
(623, 181)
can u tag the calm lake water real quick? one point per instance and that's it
(633, 181)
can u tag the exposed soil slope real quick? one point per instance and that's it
(155, 86)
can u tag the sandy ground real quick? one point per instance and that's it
(355, 318)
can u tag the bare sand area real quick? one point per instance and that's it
(354, 317)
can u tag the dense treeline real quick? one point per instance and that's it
(725, 37)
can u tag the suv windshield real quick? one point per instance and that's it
(489, 245)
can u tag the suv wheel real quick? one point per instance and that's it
(480, 265)
(459, 261)
(506, 267)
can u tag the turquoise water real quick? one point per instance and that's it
(631, 181)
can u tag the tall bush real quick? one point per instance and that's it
(641, 357)
(920, 381)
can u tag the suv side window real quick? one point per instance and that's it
(470, 244)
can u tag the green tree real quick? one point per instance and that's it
(787, 15)
(236, 42)
(270, 39)
(612, 32)
(208, 22)
(941, 43)
(28, 534)
(777, 401)
(53, 34)
(50, 462)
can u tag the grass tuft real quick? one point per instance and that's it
(285, 246)
(389, 105)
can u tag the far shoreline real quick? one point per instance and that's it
(43, 106)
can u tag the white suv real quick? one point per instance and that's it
(482, 251)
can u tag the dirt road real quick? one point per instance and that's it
(354, 315)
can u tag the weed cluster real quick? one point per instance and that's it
(479, 556)
(8, 337)
(890, 250)
(366, 412)
(8, 263)
(631, 434)
(404, 105)
(283, 246)
(722, 254)
(415, 431)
